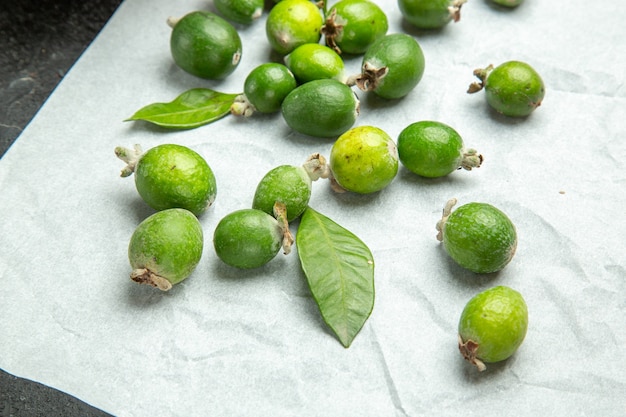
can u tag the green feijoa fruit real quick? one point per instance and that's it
(291, 23)
(477, 236)
(508, 3)
(290, 185)
(392, 66)
(513, 88)
(205, 45)
(431, 14)
(165, 248)
(433, 149)
(240, 11)
(363, 160)
(313, 61)
(170, 176)
(492, 326)
(353, 25)
(249, 238)
(265, 88)
(321, 108)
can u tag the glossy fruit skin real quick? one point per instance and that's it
(364, 160)
(240, 11)
(497, 321)
(288, 184)
(247, 238)
(480, 237)
(205, 45)
(514, 89)
(168, 243)
(321, 108)
(508, 3)
(175, 176)
(291, 23)
(404, 59)
(430, 149)
(313, 61)
(267, 86)
(426, 14)
(360, 24)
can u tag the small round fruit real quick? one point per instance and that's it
(392, 66)
(287, 184)
(364, 160)
(291, 23)
(248, 238)
(513, 88)
(313, 61)
(240, 11)
(165, 248)
(492, 326)
(170, 176)
(433, 149)
(353, 25)
(321, 108)
(265, 88)
(431, 14)
(477, 236)
(205, 45)
(508, 3)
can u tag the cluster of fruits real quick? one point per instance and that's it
(363, 159)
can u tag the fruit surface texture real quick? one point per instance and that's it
(291, 23)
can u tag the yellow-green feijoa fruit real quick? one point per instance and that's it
(513, 88)
(291, 23)
(392, 66)
(431, 14)
(205, 45)
(364, 160)
(353, 25)
(433, 149)
(492, 326)
(165, 248)
(321, 108)
(313, 61)
(240, 11)
(264, 90)
(170, 176)
(477, 236)
(248, 238)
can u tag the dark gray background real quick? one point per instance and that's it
(39, 41)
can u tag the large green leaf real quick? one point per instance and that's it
(193, 108)
(339, 268)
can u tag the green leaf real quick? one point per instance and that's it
(339, 268)
(193, 108)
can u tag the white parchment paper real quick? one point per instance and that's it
(252, 343)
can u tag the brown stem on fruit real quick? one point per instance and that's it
(455, 9)
(481, 74)
(130, 156)
(280, 213)
(447, 210)
(145, 276)
(316, 167)
(468, 350)
(172, 21)
(471, 159)
(370, 77)
(331, 29)
(242, 107)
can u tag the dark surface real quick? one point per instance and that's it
(39, 41)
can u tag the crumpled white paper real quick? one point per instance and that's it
(252, 343)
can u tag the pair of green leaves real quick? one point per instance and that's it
(339, 268)
(191, 109)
